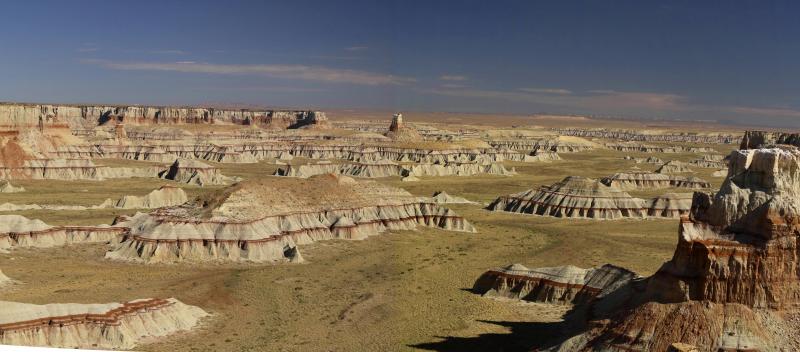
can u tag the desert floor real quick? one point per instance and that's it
(396, 291)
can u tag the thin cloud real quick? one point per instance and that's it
(169, 52)
(547, 91)
(595, 100)
(453, 85)
(310, 73)
(356, 48)
(455, 78)
(775, 112)
(87, 50)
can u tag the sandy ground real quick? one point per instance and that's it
(397, 291)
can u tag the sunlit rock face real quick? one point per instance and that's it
(733, 282)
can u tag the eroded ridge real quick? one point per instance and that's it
(112, 326)
(580, 197)
(732, 283)
(266, 221)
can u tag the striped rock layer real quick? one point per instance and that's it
(650, 180)
(733, 283)
(106, 326)
(261, 221)
(559, 285)
(580, 197)
(17, 231)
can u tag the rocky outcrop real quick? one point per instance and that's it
(651, 136)
(558, 285)
(545, 155)
(258, 221)
(673, 167)
(442, 197)
(398, 131)
(195, 173)
(106, 326)
(711, 161)
(4, 280)
(165, 196)
(648, 148)
(649, 180)
(573, 197)
(7, 187)
(732, 283)
(648, 160)
(558, 144)
(17, 231)
(580, 197)
(457, 169)
(670, 205)
(386, 168)
(15, 116)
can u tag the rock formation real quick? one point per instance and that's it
(195, 173)
(711, 161)
(7, 187)
(398, 131)
(580, 197)
(649, 148)
(649, 180)
(385, 168)
(17, 231)
(732, 283)
(673, 167)
(265, 221)
(652, 135)
(648, 160)
(17, 116)
(165, 196)
(442, 197)
(559, 285)
(106, 326)
(4, 280)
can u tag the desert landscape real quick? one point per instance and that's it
(447, 176)
(201, 229)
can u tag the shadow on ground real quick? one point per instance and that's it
(523, 336)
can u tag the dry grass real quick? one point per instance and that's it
(397, 291)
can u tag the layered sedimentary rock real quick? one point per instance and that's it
(383, 168)
(545, 155)
(573, 197)
(560, 285)
(7, 187)
(265, 221)
(196, 173)
(386, 168)
(648, 148)
(106, 326)
(15, 116)
(648, 160)
(652, 135)
(711, 161)
(670, 205)
(732, 283)
(559, 144)
(580, 197)
(165, 196)
(442, 197)
(17, 231)
(673, 167)
(763, 139)
(398, 131)
(649, 180)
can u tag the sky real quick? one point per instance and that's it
(728, 61)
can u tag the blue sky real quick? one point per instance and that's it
(735, 61)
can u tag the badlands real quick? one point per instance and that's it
(215, 229)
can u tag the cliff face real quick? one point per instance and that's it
(733, 282)
(14, 116)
